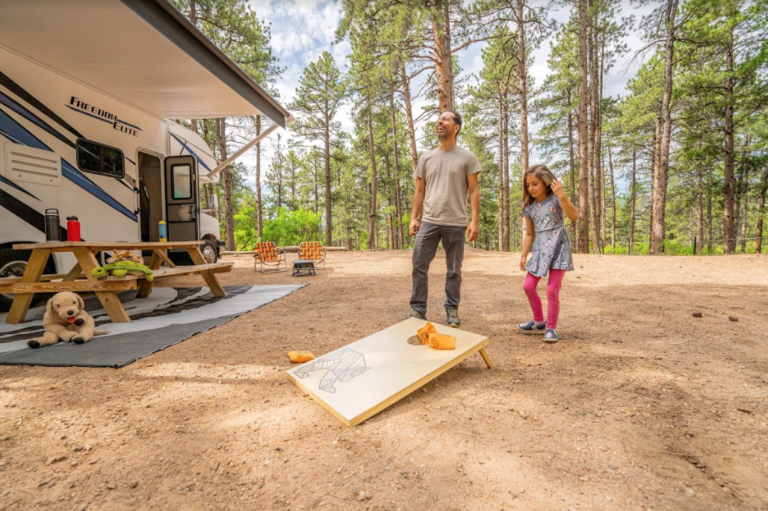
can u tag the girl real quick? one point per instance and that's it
(544, 201)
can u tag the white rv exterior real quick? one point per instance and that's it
(107, 207)
(86, 91)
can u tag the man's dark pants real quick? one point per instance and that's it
(424, 250)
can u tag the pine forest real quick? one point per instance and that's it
(677, 164)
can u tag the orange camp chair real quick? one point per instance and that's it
(312, 251)
(266, 255)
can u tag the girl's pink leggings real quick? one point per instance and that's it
(553, 296)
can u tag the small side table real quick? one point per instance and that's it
(303, 267)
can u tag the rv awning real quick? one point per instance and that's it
(142, 52)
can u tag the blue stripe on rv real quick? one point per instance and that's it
(24, 112)
(14, 185)
(185, 146)
(20, 134)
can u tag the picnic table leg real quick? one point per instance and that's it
(145, 288)
(108, 299)
(73, 273)
(163, 258)
(210, 277)
(32, 273)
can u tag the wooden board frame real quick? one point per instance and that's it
(382, 405)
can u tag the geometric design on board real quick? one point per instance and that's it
(342, 366)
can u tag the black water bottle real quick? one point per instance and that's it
(52, 225)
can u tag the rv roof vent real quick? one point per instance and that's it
(30, 165)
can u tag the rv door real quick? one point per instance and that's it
(181, 198)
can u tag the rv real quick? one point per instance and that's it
(88, 89)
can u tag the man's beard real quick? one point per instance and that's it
(443, 136)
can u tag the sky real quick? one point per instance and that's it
(302, 30)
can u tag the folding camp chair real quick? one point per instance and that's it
(265, 254)
(312, 251)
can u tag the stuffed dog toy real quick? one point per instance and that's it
(65, 319)
(124, 255)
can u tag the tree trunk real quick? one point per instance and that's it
(583, 239)
(506, 182)
(221, 136)
(760, 208)
(594, 114)
(601, 157)
(259, 203)
(613, 202)
(406, 82)
(523, 76)
(501, 171)
(441, 32)
(662, 169)
(744, 192)
(328, 197)
(574, 193)
(744, 211)
(398, 202)
(277, 165)
(709, 210)
(391, 235)
(372, 213)
(729, 225)
(315, 185)
(699, 207)
(632, 201)
(596, 171)
(601, 199)
(655, 173)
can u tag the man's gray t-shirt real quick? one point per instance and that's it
(445, 174)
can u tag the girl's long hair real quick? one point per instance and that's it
(545, 176)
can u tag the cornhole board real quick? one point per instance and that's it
(361, 379)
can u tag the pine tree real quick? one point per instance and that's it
(322, 91)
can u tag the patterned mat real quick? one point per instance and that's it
(167, 317)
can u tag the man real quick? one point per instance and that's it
(444, 178)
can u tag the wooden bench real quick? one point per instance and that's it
(176, 270)
(206, 270)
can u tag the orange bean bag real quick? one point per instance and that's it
(423, 332)
(298, 357)
(442, 341)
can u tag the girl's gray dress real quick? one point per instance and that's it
(551, 247)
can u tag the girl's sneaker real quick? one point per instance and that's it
(550, 335)
(531, 327)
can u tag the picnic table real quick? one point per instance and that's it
(79, 278)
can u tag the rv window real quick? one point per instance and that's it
(182, 181)
(100, 159)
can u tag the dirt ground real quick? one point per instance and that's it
(640, 406)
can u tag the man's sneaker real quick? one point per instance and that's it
(453, 317)
(531, 327)
(550, 335)
(416, 314)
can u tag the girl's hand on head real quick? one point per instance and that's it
(557, 188)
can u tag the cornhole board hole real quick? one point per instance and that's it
(361, 379)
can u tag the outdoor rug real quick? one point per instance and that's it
(167, 317)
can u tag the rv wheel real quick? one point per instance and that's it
(12, 264)
(210, 253)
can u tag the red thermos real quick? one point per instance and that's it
(73, 229)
